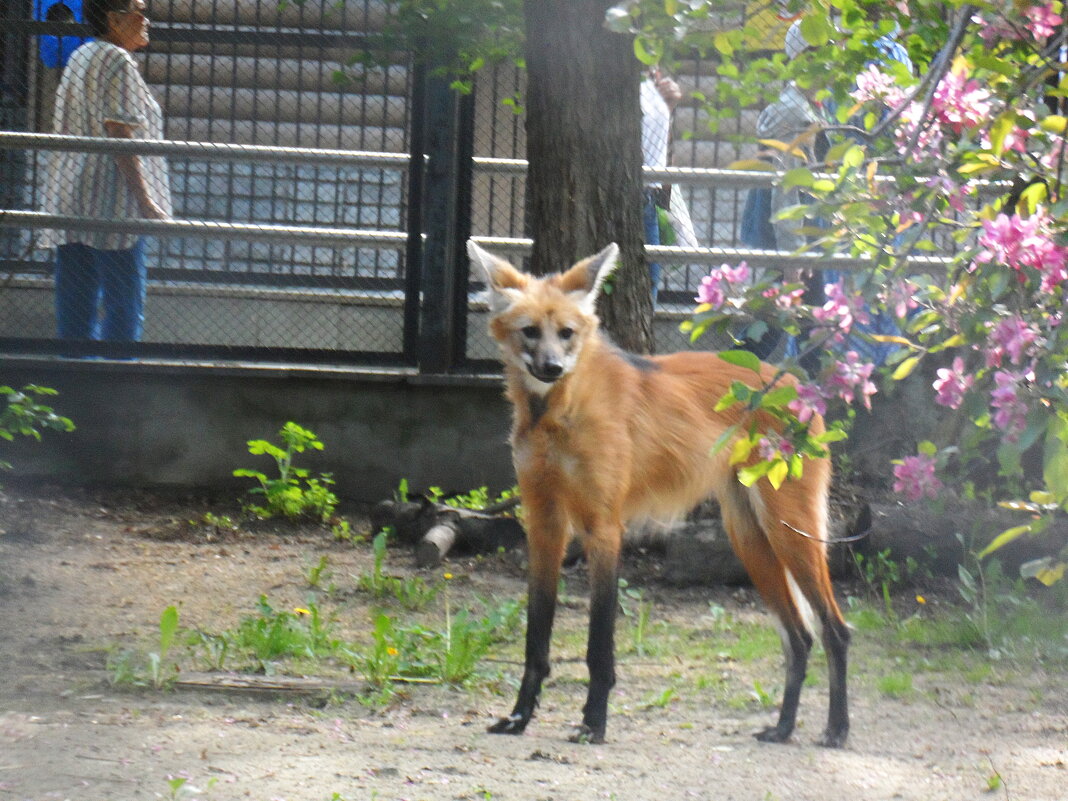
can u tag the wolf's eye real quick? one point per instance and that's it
(530, 331)
(566, 333)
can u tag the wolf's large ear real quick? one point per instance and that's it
(505, 281)
(588, 275)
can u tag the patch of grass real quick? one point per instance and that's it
(750, 642)
(404, 652)
(131, 669)
(895, 685)
(413, 593)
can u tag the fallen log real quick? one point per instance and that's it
(433, 530)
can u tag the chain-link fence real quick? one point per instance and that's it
(312, 130)
(301, 225)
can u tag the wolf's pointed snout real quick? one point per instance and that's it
(553, 369)
(546, 371)
(550, 371)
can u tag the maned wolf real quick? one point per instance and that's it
(601, 437)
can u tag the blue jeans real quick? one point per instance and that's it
(652, 236)
(86, 279)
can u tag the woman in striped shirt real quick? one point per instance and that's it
(103, 94)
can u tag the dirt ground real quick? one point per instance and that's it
(84, 571)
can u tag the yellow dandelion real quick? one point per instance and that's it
(920, 599)
(392, 651)
(300, 610)
(448, 576)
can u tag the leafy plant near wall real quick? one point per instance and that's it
(22, 414)
(294, 493)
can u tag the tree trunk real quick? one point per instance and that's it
(584, 150)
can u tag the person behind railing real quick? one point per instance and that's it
(792, 118)
(659, 95)
(786, 120)
(102, 94)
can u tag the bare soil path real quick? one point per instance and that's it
(81, 572)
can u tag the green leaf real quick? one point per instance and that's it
(853, 157)
(816, 28)
(723, 439)
(778, 397)
(778, 472)
(741, 358)
(1044, 569)
(1032, 196)
(1055, 458)
(1054, 123)
(726, 402)
(741, 450)
(999, 129)
(646, 56)
(748, 476)
(168, 628)
(799, 176)
(722, 42)
(906, 367)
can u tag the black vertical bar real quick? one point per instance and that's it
(15, 54)
(464, 178)
(413, 255)
(437, 329)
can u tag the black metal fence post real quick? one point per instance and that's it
(447, 221)
(413, 260)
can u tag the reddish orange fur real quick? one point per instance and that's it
(612, 440)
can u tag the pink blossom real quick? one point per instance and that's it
(929, 139)
(1010, 410)
(782, 299)
(961, 103)
(901, 297)
(1040, 21)
(874, 84)
(1019, 242)
(1015, 140)
(773, 447)
(954, 193)
(951, 384)
(850, 376)
(809, 402)
(840, 310)
(1012, 336)
(914, 477)
(712, 291)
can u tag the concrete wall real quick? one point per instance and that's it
(144, 424)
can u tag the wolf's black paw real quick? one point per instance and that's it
(834, 739)
(585, 735)
(772, 734)
(513, 724)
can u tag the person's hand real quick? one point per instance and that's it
(669, 90)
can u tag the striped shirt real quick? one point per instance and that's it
(101, 83)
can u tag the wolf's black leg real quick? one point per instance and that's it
(603, 558)
(547, 533)
(541, 608)
(796, 646)
(836, 644)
